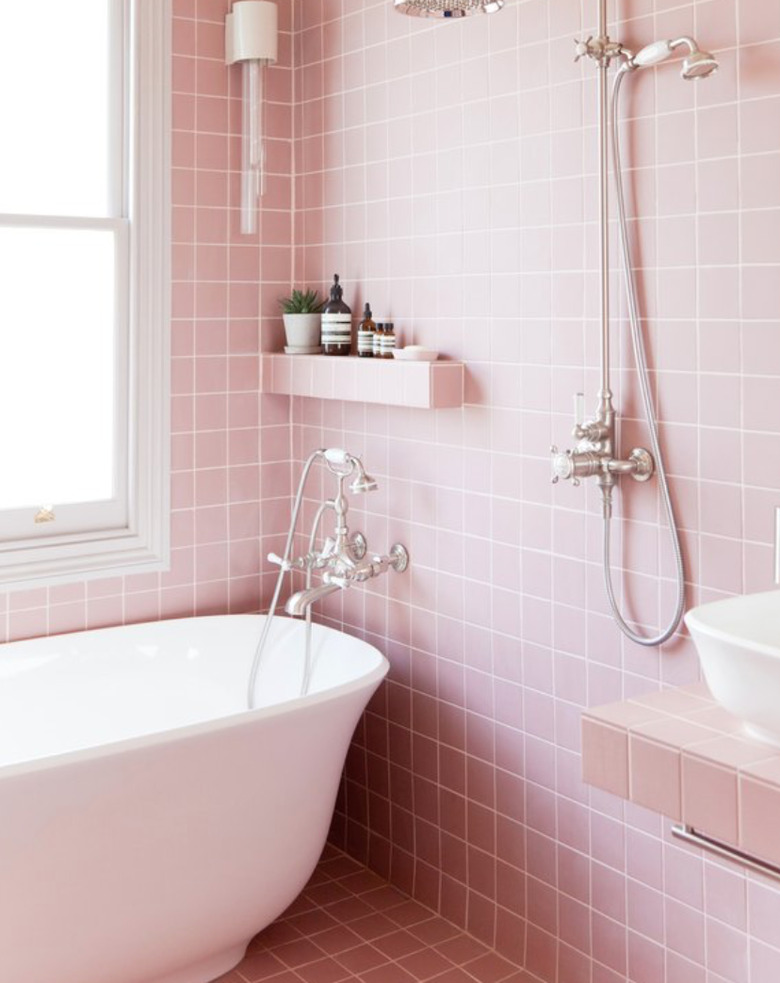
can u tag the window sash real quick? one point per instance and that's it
(18, 525)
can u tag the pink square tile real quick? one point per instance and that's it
(605, 757)
(709, 798)
(758, 805)
(654, 776)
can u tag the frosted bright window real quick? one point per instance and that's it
(84, 288)
(57, 366)
(55, 118)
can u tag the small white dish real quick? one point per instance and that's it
(295, 350)
(415, 353)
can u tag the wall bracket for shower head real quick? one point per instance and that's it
(447, 8)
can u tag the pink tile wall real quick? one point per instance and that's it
(447, 172)
(222, 428)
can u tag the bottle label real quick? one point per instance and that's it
(365, 342)
(388, 344)
(336, 329)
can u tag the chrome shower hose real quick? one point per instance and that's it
(647, 400)
(250, 690)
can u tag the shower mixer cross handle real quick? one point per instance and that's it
(601, 49)
(573, 465)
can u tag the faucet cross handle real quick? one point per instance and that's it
(582, 48)
(301, 563)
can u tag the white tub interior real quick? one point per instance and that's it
(72, 692)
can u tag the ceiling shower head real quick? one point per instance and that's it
(447, 8)
(697, 64)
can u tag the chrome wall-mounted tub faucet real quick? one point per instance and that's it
(343, 558)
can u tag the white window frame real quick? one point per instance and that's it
(130, 534)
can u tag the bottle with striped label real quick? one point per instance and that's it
(366, 332)
(336, 323)
(388, 342)
(378, 336)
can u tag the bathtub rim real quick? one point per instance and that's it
(369, 680)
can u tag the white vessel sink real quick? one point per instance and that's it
(738, 641)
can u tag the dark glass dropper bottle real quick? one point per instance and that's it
(336, 323)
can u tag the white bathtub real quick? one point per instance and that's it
(149, 824)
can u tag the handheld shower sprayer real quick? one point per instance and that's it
(697, 64)
(344, 465)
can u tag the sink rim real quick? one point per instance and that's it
(699, 620)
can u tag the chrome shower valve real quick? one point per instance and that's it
(593, 455)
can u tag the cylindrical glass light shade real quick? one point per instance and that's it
(252, 143)
(251, 38)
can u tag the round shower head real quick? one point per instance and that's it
(447, 8)
(698, 65)
(362, 482)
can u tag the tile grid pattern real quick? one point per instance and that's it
(447, 172)
(348, 924)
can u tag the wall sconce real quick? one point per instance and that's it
(251, 37)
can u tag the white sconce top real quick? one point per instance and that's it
(251, 32)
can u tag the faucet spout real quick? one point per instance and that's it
(300, 602)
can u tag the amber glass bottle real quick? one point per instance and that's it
(379, 335)
(336, 323)
(388, 342)
(366, 332)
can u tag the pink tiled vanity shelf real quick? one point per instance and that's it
(422, 385)
(679, 753)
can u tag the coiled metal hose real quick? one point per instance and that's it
(647, 400)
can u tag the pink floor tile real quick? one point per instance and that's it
(348, 924)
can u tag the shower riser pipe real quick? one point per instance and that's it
(605, 394)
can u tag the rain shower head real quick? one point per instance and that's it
(447, 8)
(696, 65)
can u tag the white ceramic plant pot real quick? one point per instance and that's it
(302, 330)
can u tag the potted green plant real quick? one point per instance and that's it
(301, 315)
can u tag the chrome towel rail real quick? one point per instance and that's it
(690, 835)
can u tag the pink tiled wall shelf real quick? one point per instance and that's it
(679, 753)
(422, 385)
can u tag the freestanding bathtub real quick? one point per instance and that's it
(150, 824)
